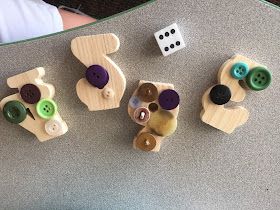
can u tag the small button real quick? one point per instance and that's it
(54, 128)
(146, 142)
(46, 108)
(108, 93)
(220, 94)
(239, 70)
(147, 92)
(30, 94)
(134, 102)
(153, 107)
(258, 79)
(14, 112)
(97, 76)
(169, 99)
(141, 115)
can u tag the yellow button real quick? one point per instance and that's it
(163, 123)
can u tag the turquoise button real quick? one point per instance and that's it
(239, 70)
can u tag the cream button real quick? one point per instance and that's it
(54, 128)
(108, 93)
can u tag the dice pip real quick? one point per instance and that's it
(104, 83)
(255, 77)
(154, 106)
(33, 108)
(170, 40)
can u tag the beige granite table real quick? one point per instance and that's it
(94, 166)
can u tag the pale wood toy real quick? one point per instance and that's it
(154, 106)
(238, 68)
(105, 83)
(33, 108)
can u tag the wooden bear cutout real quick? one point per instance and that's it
(92, 52)
(227, 119)
(44, 129)
(154, 106)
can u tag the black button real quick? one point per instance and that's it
(220, 94)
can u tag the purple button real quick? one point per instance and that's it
(169, 99)
(97, 76)
(30, 93)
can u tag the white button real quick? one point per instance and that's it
(54, 128)
(108, 93)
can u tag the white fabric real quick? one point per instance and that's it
(24, 19)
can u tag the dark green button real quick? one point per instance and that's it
(258, 79)
(239, 70)
(14, 112)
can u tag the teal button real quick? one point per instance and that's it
(239, 70)
(258, 78)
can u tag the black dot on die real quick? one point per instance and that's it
(161, 37)
(172, 31)
(166, 34)
(172, 46)
(178, 43)
(166, 49)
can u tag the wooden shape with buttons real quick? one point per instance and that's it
(32, 107)
(154, 106)
(104, 83)
(232, 87)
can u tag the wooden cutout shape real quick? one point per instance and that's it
(148, 129)
(36, 125)
(227, 119)
(93, 50)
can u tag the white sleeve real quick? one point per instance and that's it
(24, 19)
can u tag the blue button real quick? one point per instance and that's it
(239, 70)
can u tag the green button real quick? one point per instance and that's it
(46, 108)
(239, 70)
(14, 112)
(258, 79)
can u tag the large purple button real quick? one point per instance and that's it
(30, 93)
(169, 99)
(97, 76)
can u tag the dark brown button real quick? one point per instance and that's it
(147, 92)
(30, 93)
(153, 107)
(146, 142)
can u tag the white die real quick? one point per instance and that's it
(170, 39)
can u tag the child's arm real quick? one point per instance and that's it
(72, 20)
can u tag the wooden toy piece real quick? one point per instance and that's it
(154, 106)
(225, 78)
(43, 121)
(230, 74)
(104, 85)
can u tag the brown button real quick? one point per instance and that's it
(147, 92)
(141, 115)
(146, 142)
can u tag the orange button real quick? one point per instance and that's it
(146, 142)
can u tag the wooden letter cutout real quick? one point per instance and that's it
(93, 50)
(36, 125)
